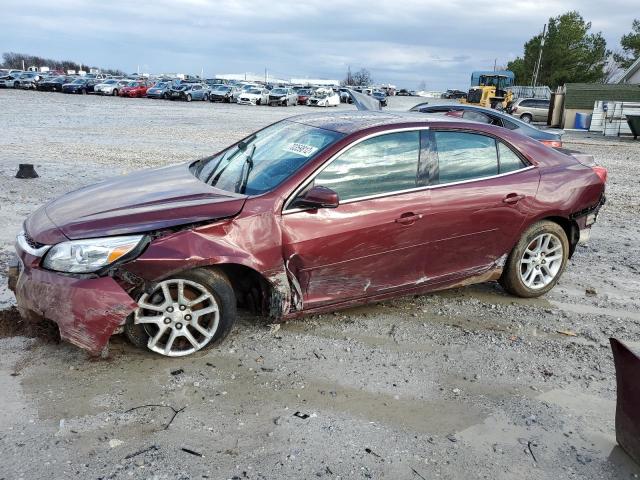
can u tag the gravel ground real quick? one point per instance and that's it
(467, 383)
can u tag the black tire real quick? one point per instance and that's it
(83, 91)
(218, 284)
(206, 97)
(511, 279)
(115, 92)
(188, 97)
(165, 95)
(16, 84)
(526, 118)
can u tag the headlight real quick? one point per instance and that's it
(85, 256)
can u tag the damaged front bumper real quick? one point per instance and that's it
(87, 309)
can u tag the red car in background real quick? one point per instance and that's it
(303, 95)
(135, 89)
(311, 214)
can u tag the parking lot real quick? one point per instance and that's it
(467, 383)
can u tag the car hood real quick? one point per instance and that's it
(139, 202)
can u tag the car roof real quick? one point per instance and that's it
(355, 121)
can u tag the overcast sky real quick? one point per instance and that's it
(403, 42)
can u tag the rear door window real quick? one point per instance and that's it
(464, 156)
(382, 164)
(509, 160)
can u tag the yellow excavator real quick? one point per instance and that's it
(491, 92)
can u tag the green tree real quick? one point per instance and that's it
(630, 46)
(570, 54)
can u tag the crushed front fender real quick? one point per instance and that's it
(86, 310)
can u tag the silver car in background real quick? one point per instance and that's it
(283, 96)
(530, 109)
(10, 81)
(110, 86)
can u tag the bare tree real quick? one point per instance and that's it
(361, 77)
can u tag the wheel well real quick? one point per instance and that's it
(253, 291)
(572, 230)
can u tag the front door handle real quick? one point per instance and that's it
(512, 198)
(408, 218)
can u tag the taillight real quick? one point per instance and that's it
(601, 172)
(552, 143)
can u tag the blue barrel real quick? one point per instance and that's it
(583, 121)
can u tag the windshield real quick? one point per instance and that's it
(78, 81)
(132, 84)
(255, 91)
(160, 85)
(110, 82)
(223, 89)
(271, 156)
(279, 91)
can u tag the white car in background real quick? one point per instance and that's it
(110, 86)
(324, 97)
(254, 96)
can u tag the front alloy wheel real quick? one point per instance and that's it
(184, 314)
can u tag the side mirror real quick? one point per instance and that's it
(317, 197)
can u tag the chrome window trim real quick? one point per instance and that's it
(36, 252)
(303, 185)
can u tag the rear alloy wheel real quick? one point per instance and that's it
(526, 118)
(537, 261)
(115, 92)
(188, 97)
(205, 98)
(184, 314)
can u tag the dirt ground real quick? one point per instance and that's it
(467, 383)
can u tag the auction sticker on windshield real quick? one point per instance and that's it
(301, 149)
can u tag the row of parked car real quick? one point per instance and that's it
(245, 93)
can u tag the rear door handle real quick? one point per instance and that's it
(408, 218)
(512, 198)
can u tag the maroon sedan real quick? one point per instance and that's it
(313, 213)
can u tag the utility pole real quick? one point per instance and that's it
(495, 63)
(537, 69)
